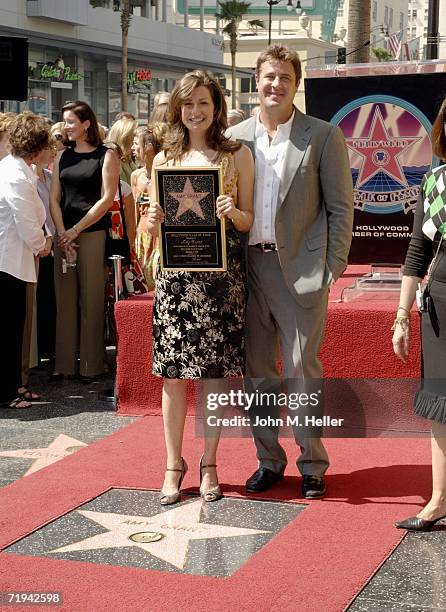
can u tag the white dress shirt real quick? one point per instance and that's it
(269, 157)
(22, 216)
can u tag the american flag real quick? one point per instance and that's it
(395, 44)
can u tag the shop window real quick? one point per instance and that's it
(114, 80)
(38, 99)
(245, 85)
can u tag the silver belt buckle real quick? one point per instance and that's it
(268, 247)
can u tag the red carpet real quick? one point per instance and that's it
(320, 561)
(357, 344)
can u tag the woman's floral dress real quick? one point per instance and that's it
(199, 317)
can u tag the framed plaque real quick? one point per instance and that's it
(192, 237)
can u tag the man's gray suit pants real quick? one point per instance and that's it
(276, 320)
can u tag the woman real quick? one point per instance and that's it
(22, 237)
(5, 122)
(121, 133)
(58, 134)
(200, 315)
(427, 250)
(147, 143)
(44, 269)
(160, 107)
(84, 183)
(46, 298)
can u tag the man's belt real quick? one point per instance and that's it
(266, 247)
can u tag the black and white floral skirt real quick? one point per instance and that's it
(199, 320)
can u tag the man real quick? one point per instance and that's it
(298, 246)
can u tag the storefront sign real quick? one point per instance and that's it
(59, 73)
(139, 81)
(53, 71)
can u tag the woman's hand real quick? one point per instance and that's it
(155, 214)
(67, 236)
(225, 207)
(401, 338)
(47, 248)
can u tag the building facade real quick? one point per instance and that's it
(75, 53)
(387, 17)
(417, 22)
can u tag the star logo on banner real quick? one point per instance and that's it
(175, 528)
(380, 152)
(189, 200)
(61, 447)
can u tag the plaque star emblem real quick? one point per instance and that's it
(177, 526)
(189, 200)
(61, 447)
(380, 152)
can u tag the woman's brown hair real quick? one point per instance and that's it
(29, 134)
(153, 135)
(438, 133)
(177, 138)
(83, 111)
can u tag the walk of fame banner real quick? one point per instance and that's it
(387, 122)
(192, 237)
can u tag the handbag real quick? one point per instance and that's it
(117, 242)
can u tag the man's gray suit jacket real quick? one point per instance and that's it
(315, 208)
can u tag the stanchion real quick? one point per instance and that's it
(109, 394)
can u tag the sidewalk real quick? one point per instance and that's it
(413, 578)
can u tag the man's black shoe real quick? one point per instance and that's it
(262, 480)
(313, 486)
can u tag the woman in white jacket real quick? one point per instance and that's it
(22, 237)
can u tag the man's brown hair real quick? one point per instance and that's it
(280, 53)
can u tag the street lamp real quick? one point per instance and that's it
(382, 30)
(289, 8)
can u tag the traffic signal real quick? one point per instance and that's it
(342, 54)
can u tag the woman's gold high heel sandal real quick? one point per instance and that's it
(171, 498)
(212, 494)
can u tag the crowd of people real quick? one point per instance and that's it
(74, 175)
(287, 201)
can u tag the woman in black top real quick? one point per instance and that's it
(83, 187)
(428, 249)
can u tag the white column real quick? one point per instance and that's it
(186, 13)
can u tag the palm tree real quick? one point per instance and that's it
(358, 45)
(232, 12)
(126, 16)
